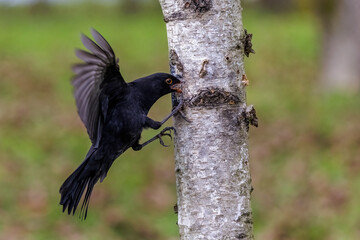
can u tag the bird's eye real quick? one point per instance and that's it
(168, 81)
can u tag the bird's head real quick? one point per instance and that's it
(167, 83)
(153, 87)
(157, 85)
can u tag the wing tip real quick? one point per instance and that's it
(84, 39)
(96, 35)
(102, 42)
(94, 32)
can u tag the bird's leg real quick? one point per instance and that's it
(184, 117)
(156, 125)
(181, 103)
(149, 123)
(174, 111)
(137, 146)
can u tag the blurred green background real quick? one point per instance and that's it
(305, 155)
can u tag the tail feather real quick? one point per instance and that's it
(91, 170)
(78, 195)
(73, 189)
(85, 204)
(84, 177)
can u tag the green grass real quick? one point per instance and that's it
(304, 155)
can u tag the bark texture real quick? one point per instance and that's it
(206, 48)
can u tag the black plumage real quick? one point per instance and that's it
(114, 113)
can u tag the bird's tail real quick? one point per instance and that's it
(84, 177)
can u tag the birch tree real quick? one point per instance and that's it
(207, 44)
(341, 54)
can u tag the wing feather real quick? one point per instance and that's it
(99, 66)
(90, 58)
(103, 44)
(84, 67)
(95, 49)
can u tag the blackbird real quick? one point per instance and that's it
(114, 113)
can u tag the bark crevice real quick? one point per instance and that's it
(189, 9)
(211, 97)
(198, 6)
(176, 67)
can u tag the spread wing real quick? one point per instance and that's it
(99, 66)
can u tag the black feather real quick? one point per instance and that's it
(113, 113)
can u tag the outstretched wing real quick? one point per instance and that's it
(99, 66)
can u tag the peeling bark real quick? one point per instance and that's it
(206, 45)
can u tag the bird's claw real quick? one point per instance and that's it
(163, 133)
(183, 116)
(180, 112)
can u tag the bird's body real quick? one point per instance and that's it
(114, 113)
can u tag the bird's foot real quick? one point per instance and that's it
(165, 132)
(181, 113)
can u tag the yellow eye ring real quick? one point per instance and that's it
(168, 81)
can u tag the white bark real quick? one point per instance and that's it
(211, 152)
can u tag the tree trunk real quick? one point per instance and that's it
(341, 52)
(206, 45)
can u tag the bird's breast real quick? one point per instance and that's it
(125, 121)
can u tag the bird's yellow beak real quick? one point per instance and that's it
(176, 87)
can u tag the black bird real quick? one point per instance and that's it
(114, 113)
